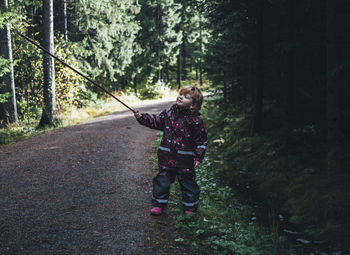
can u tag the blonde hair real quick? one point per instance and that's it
(196, 95)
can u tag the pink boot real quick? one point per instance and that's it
(188, 212)
(156, 211)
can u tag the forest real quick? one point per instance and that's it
(276, 72)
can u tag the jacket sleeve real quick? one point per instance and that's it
(154, 121)
(200, 140)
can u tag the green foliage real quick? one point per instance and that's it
(222, 223)
(109, 30)
(4, 96)
(148, 92)
(70, 89)
(7, 17)
(158, 38)
(4, 66)
(28, 112)
(29, 71)
(327, 219)
(8, 136)
(228, 47)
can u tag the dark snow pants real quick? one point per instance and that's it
(189, 187)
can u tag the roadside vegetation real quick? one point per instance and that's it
(90, 107)
(245, 206)
(224, 223)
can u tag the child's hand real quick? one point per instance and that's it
(196, 163)
(137, 114)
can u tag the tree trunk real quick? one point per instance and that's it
(61, 18)
(200, 50)
(8, 110)
(184, 73)
(290, 90)
(183, 55)
(158, 43)
(124, 82)
(235, 90)
(323, 80)
(191, 63)
(258, 104)
(135, 85)
(30, 15)
(179, 69)
(225, 89)
(167, 72)
(65, 20)
(49, 109)
(334, 136)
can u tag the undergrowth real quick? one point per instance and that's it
(243, 171)
(222, 224)
(285, 170)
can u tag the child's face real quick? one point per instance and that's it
(184, 101)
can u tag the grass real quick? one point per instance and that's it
(17, 131)
(222, 223)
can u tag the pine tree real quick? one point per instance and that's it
(108, 31)
(158, 38)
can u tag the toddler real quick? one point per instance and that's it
(181, 150)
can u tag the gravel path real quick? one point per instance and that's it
(83, 189)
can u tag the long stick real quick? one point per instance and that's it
(75, 70)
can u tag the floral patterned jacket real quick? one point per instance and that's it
(184, 139)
